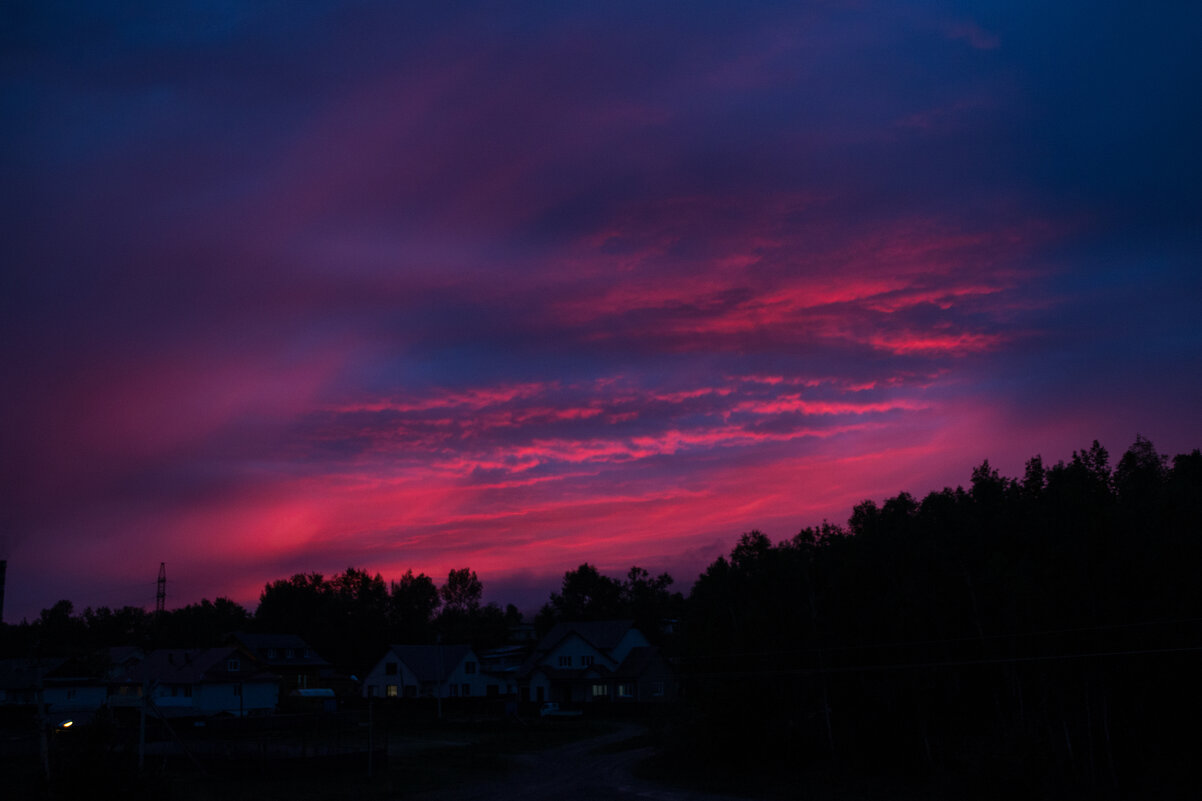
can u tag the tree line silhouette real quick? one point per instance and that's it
(1041, 633)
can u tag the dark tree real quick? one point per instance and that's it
(413, 603)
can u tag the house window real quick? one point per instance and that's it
(657, 689)
(600, 691)
(292, 653)
(371, 691)
(238, 690)
(467, 690)
(70, 694)
(454, 690)
(271, 653)
(410, 691)
(390, 668)
(586, 660)
(565, 661)
(469, 667)
(391, 691)
(626, 691)
(233, 665)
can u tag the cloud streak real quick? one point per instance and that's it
(518, 288)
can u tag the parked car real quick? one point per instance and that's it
(552, 710)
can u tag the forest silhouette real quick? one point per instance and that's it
(1041, 634)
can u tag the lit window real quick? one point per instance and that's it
(600, 691)
(391, 691)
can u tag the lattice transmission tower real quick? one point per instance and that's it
(160, 597)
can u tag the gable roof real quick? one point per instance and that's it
(261, 644)
(639, 661)
(25, 674)
(431, 663)
(604, 635)
(196, 665)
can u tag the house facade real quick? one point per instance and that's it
(200, 682)
(289, 657)
(596, 661)
(428, 671)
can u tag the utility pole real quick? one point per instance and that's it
(438, 687)
(160, 598)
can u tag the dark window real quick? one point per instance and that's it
(390, 668)
(469, 667)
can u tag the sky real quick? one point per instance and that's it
(293, 287)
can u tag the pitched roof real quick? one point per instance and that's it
(431, 663)
(195, 665)
(639, 660)
(260, 644)
(604, 635)
(24, 674)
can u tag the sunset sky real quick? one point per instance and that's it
(297, 286)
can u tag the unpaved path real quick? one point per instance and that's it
(578, 771)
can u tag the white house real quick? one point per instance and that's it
(605, 660)
(201, 682)
(413, 671)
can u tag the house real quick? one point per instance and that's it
(289, 657)
(587, 662)
(22, 679)
(200, 682)
(428, 671)
(80, 686)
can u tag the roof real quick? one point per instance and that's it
(639, 661)
(24, 674)
(261, 644)
(431, 663)
(604, 635)
(196, 665)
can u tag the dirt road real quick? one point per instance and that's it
(579, 771)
